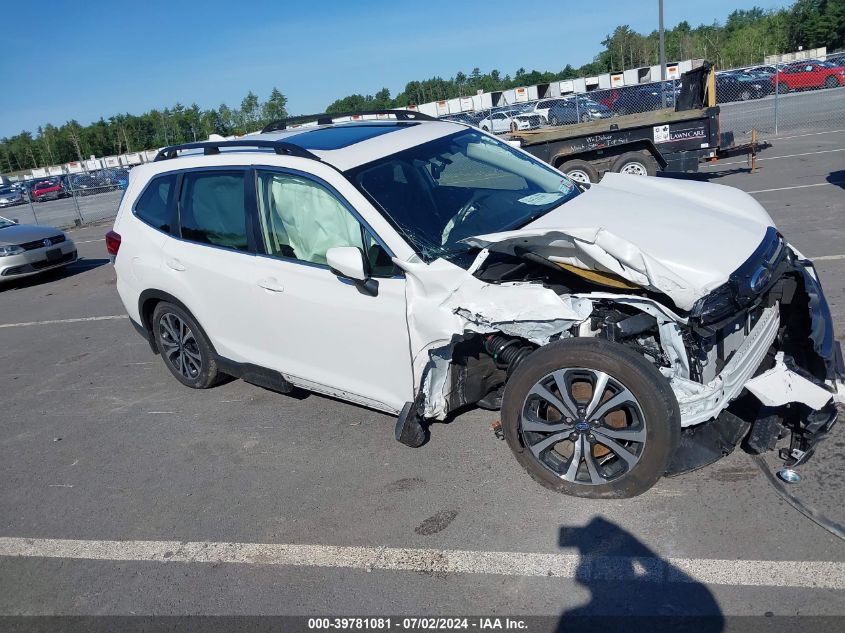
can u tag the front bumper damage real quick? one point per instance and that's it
(764, 371)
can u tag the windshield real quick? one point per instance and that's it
(465, 184)
(4, 222)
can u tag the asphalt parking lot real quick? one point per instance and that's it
(125, 493)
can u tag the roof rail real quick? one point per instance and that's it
(325, 118)
(213, 147)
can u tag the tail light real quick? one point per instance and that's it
(112, 243)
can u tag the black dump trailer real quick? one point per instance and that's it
(645, 143)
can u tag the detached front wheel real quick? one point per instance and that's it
(591, 418)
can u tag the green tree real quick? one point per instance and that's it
(276, 107)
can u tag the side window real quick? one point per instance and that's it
(212, 209)
(154, 205)
(301, 219)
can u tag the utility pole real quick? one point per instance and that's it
(662, 53)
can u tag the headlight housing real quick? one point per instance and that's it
(717, 305)
(5, 251)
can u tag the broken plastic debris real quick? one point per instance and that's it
(780, 385)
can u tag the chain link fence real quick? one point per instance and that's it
(67, 200)
(808, 95)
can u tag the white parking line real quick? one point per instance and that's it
(824, 258)
(752, 573)
(818, 184)
(743, 162)
(826, 132)
(55, 321)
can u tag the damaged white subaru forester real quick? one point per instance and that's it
(626, 330)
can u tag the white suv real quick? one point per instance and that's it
(627, 330)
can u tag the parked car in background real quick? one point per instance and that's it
(121, 178)
(729, 87)
(645, 98)
(114, 178)
(510, 120)
(808, 76)
(470, 118)
(761, 79)
(27, 249)
(10, 196)
(49, 189)
(767, 70)
(84, 184)
(543, 106)
(577, 110)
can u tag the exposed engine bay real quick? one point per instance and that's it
(753, 360)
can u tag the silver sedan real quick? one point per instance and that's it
(26, 249)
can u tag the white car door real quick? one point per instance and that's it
(210, 265)
(320, 330)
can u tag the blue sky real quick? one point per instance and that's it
(82, 60)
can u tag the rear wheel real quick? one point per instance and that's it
(183, 346)
(591, 418)
(831, 82)
(782, 88)
(636, 164)
(745, 95)
(580, 171)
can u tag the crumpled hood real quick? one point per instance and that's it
(677, 237)
(23, 233)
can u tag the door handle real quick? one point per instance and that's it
(175, 264)
(271, 284)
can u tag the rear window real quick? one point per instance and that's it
(154, 205)
(212, 209)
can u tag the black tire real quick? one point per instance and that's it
(745, 95)
(484, 128)
(579, 169)
(553, 121)
(190, 359)
(831, 82)
(661, 415)
(638, 163)
(782, 88)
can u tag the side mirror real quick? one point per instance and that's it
(347, 261)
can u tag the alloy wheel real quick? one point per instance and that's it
(179, 345)
(583, 425)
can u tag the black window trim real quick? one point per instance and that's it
(170, 203)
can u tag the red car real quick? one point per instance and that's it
(48, 190)
(807, 75)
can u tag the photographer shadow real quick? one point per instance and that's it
(631, 587)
